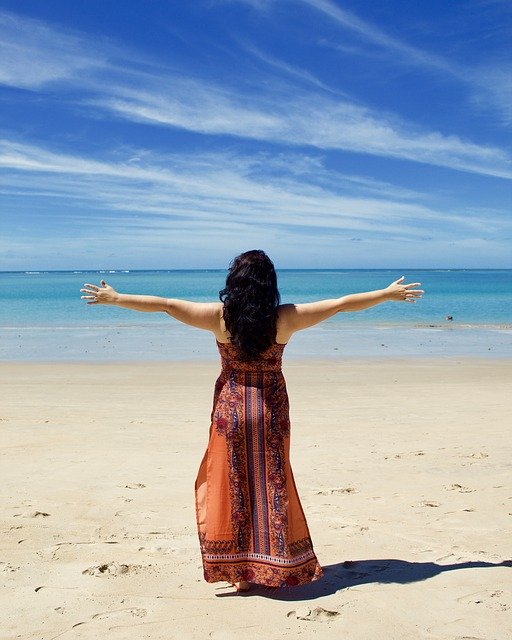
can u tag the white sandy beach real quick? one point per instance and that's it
(403, 468)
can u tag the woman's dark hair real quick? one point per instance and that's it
(251, 298)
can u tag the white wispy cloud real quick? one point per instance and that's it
(375, 35)
(217, 190)
(292, 71)
(490, 84)
(286, 114)
(304, 119)
(33, 54)
(495, 83)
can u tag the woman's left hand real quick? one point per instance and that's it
(404, 292)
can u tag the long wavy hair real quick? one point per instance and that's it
(251, 299)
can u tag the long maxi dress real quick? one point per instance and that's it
(250, 521)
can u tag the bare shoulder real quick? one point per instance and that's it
(285, 323)
(285, 311)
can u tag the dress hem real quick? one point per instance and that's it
(264, 576)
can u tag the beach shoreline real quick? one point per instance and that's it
(169, 341)
(402, 466)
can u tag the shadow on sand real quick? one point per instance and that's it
(354, 572)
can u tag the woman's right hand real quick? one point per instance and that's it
(99, 295)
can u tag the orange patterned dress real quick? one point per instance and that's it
(250, 520)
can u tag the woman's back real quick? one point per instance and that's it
(282, 326)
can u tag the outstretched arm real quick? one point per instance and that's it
(203, 315)
(300, 316)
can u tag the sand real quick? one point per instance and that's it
(403, 468)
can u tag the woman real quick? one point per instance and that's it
(250, 521)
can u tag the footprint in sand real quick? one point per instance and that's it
(53, 552)
(32, 514)
(428, 503)
(134, 485)
(497, 600)
(112, 569)
(449, 556)
(458, 487)
(317, 614)
(330, 492)
(408, 453)
(136, 612)
(162, 550)
(5, 567)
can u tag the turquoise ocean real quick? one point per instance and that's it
(42, 317)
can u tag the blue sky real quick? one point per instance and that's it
(329, 133)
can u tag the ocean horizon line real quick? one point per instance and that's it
(286, 269)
